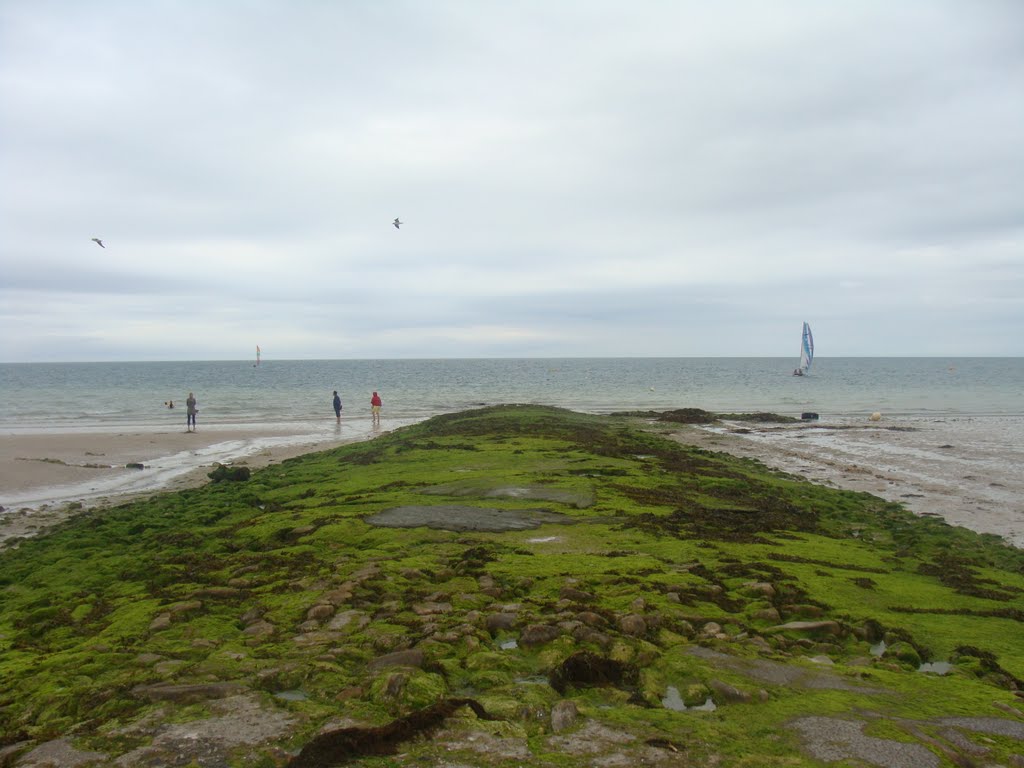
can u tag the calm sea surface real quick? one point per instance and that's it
(47, 397)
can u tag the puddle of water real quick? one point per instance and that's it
(674, 702)
(936, 667)
(534, 680)
(878, 649)
(291, 695)
(508, 645)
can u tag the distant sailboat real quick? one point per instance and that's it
(806, 351)
(257, 356)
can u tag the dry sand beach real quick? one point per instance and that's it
(46, 477)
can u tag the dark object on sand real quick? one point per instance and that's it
(809, 416)
(222, 473)
(134, 465)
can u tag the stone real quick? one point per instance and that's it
(591, 619)
(809, 627)
(564, 715)
(163, 621)
(759, 588)
(187, 694)
(58, 752)
(498, 622)
(353, 618)
(259, 629)
(711, 629)
(410, 658)
(429, 608)
(590, 635)
(538, 634)
(185, 607)
(728, 693)
(632, 624)
(575, 595)
(320, 612)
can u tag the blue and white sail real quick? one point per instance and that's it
(806, 351)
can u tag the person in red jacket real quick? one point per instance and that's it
(375, 404)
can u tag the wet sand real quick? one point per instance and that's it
(45, 478)
(963, 470)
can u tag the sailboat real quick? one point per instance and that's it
(257, 365)
(806, 351)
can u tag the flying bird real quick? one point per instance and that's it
(397, 223)
(98, 242)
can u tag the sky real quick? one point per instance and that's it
(576, 178)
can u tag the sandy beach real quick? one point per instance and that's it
(44, 478)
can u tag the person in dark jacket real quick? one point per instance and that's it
(337, 405)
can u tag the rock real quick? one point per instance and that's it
(728, 693)
(253, 614)
(58, 752)
(711, 629)
(259, 629)
(759, 588)
(766, 614)
(352, 618)
(410, 658)
(538, 634)
(498, 622)
(808, 627)
(639, 605)
(163, 621)
(429, 608)
(320, 612)
(187, 694)
(634, 625)
(576, 595)
(591, 619)
(673, 597)
(590, 635)
(804, 611)
(563, 716)
(185, 607)
(222, 473)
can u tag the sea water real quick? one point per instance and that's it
(950, 440)
(45, 397)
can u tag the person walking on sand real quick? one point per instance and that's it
(337, 405)
(191, 411)
(375, 404)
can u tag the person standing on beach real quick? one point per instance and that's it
(375, 404)
(337, 405)
(190, 418)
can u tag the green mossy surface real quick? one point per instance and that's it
(278, 584)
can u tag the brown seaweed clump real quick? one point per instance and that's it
(344, 744)
(584, 669)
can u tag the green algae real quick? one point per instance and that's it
(280, 583)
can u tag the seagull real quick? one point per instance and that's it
(98, 242)
(397, 223)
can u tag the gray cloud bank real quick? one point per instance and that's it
(656, 178)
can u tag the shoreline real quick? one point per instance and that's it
(47, 477)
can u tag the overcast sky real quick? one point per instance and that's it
(586, 178)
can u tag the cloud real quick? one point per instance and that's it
(662, 179)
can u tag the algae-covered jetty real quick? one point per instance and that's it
(510, 586)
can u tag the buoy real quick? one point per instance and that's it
(876, 416)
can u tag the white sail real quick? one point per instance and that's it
(806, 351)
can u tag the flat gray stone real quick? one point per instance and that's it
(459, 518)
